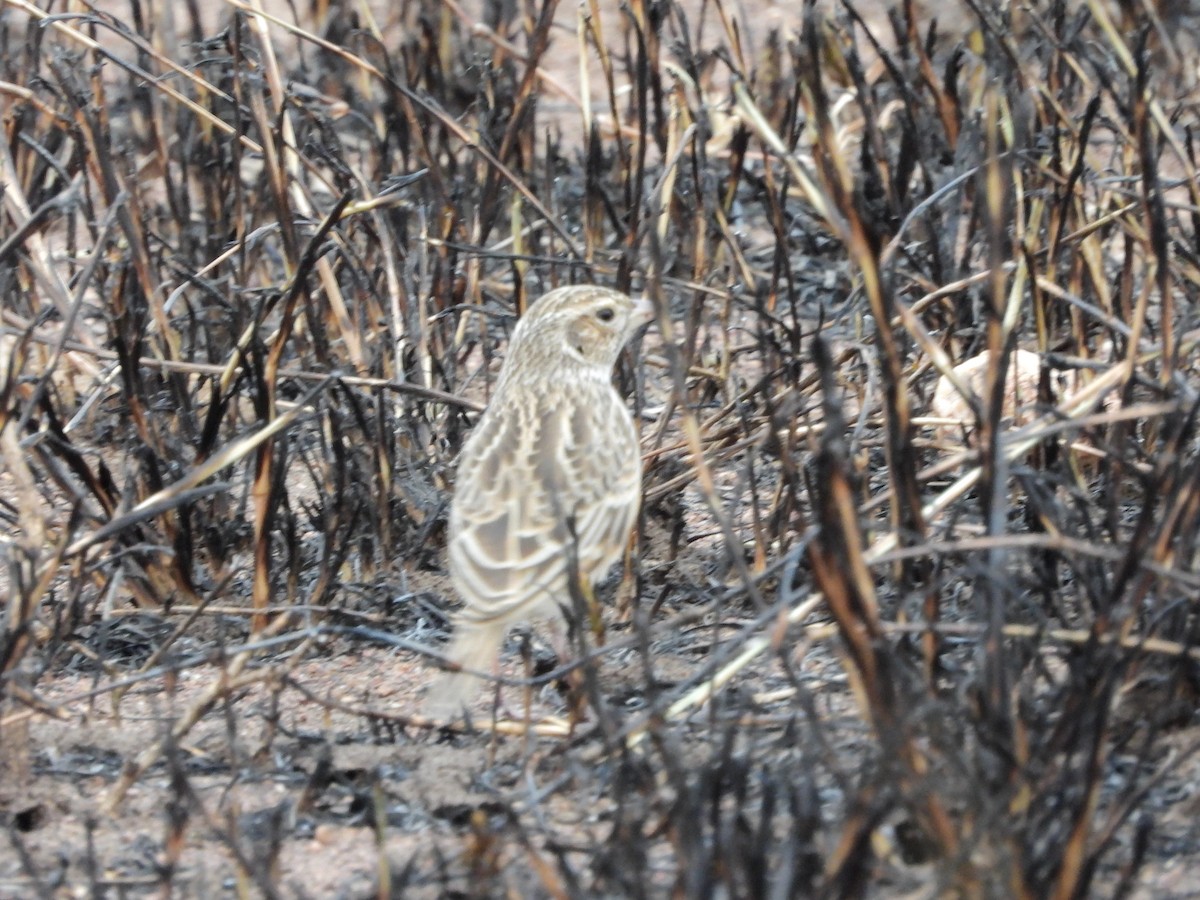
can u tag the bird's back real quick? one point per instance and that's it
(539, 475)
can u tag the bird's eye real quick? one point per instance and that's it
(605, 314)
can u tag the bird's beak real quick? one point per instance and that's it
(643, 311)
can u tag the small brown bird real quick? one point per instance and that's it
(952, 412)
(554, 455)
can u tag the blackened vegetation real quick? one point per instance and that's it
(252, 282)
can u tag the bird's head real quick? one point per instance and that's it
(577, 325)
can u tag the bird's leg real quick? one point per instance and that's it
(527, 666)
(566, 640)
(627, 589)
(594, 616)
(582, 592)
(500, 708)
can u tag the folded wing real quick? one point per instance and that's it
(526, 479)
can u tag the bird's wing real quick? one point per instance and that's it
(523, 475)
(608, 462)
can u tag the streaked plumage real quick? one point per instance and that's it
(555, 445)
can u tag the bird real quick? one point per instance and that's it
(952, 411)
(552, 466)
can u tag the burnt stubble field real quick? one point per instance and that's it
(258, 267)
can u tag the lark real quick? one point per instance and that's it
(548, 484)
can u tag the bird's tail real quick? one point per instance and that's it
(476, 647)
